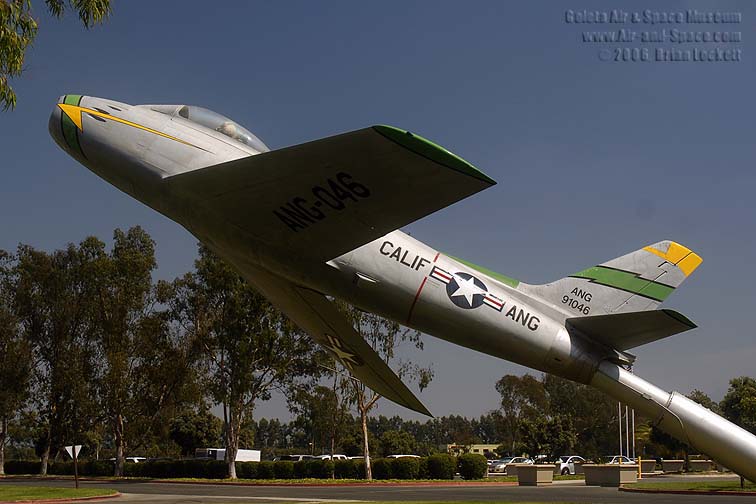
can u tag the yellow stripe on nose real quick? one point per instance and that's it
(75, 112)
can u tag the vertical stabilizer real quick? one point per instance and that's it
(637, 281)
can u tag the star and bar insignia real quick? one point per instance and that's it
(465, 290)
(336, 347)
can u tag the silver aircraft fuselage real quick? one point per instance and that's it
(386, 276)
(136, 147)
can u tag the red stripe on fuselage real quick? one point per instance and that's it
(419, 290)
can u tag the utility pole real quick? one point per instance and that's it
(627, 432)
(619, 423)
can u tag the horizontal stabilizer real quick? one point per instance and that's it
(623, 331)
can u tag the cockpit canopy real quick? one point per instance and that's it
(214, 121)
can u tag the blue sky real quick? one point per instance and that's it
(593, 158)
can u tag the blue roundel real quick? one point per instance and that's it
(466, 291)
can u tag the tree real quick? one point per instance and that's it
(550, 436)
(145, 369)
(704, 400)
(739, 403)
(323, 415)
(249, 348)
(15, 357)
(397, 442)
(194, 429)
(522, 398)
(53, 303)
(18, 29)
(123, 285)
(386, 337)
(593, 414)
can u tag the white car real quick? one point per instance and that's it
(620, 459)
(129, 459)
(501, 466)
(403, 456)
(294, 458)
(334, 457)
(567, 463)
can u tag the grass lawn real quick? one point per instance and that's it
(710, 486)
(22, 493)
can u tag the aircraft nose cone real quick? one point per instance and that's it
(54, 125)
(63, 130)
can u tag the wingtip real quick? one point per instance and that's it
(680, 318)
(431, 150)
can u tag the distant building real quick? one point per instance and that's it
(487, 450)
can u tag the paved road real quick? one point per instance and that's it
(573, 491)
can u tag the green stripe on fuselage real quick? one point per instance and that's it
(70, 131)
(496, 276)
(626, 281)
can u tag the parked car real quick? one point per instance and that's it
(242, 455)
(403, 456)
(567, 463)
(334, 457)
(294, 458)
(501, 467)
(129, 459)
(619, 459)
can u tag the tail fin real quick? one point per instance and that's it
(637, 281)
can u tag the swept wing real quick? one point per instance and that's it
(327, 197)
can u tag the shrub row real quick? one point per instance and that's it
(433, 467)
(189, 468)
(86, 467)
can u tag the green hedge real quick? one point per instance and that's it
(472, 466)
(189, 468)
(266, 470)
(433, 467)
(422, 470)
(382, 468)
(22, 467)
(406, 468)
(86, 467)
(247, 470)
(283, 469)
(441, 466)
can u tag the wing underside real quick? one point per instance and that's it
(318, 316)
(327, 197)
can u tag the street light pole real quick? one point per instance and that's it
(619, 423)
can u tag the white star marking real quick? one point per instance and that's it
(466, 288)
(347, 359)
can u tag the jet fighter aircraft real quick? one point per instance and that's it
(321, 219)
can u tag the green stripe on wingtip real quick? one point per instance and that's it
(626, 281)
(496, 276)
(432, 151)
